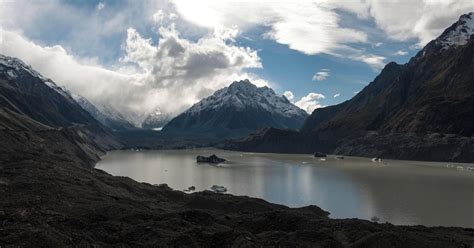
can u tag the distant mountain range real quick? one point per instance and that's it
(236, 111)
(420, 110)
(108, 116)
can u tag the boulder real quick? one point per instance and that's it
(213, 159)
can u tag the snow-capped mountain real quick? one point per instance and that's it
(105, 115)
(30, 103)
(421, 110)
(156, 120)
(244, 94)
(459, 33)
(15, 68)
(235, 111)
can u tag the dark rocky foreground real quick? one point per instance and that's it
(51, 203)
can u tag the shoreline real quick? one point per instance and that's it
(100, 209)
(298, 160)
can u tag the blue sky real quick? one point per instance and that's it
(138, 56)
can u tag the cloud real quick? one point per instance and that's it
(400, 53)
(321, 75)
(167, 77)
(310, 27)
(337, 95)
(310, 102)
(100, 6)
(423, 20)
(315, 27)
(289, 95)
(376, 62)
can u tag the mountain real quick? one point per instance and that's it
(423, 109)
(108, 116)
(35, 106)
(155, 120)
(236, 111)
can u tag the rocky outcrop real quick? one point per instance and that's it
(213, 159)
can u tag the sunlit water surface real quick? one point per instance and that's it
(400, 192)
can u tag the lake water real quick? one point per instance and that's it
(400, 192)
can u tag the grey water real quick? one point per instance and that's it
(399, 192)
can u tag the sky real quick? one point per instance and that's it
(162, 56)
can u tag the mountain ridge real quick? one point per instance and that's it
(427, 102)
(236, 110)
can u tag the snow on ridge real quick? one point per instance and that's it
(17, 64)
(241, 94)
(15, 67)
(459, 33)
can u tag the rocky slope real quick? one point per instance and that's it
(428, 103)
(236, 111)
(26, 95)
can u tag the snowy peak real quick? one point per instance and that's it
(243, 94)
(459, 33)
(15, 68)
(234, 112)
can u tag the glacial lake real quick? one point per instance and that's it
(400, 192)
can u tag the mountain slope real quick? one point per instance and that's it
(416, 97)
(236, 111)
(420, 110)
(35, 99)
(107, 116)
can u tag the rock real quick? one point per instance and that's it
(213, 159)
(339, 157)
(319, 155)
(218, 189)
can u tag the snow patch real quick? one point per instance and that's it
(242, 94)
(459, 33)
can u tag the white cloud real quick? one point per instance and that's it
(311, 27)
(166, 77)
(321, 75)
(289, 95)
(376, 62)
(314, 27)
(310, 102)
(423, 20)
(307, 103)
(100, 6)
(400, 53)
(337, 95)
